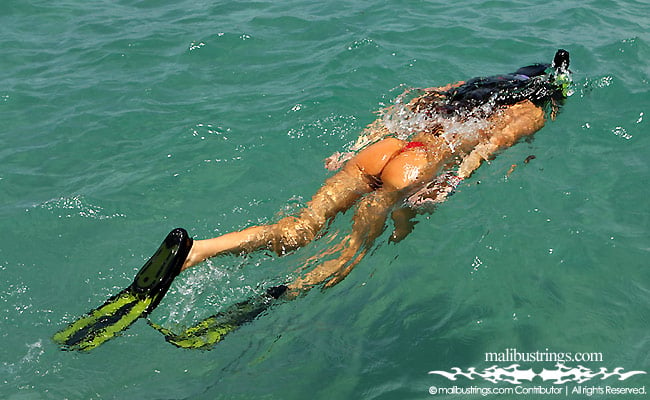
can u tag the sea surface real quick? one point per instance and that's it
(121, 120)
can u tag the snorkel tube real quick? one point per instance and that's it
(560, 72)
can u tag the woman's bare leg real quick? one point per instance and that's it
(400, 174)
(369, 222)
(338, 193)
(250, 239)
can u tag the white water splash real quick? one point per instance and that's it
(77, 206)
(34, 352)
(403, 122)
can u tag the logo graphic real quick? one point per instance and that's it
(514, 375)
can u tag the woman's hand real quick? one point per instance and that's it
(336, 160)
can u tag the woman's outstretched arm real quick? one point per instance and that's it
(510, 125)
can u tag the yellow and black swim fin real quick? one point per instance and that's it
(140, 298)
(210, 331)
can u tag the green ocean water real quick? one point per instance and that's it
(122, 120)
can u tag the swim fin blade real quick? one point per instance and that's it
(140, 298)
(210, 331)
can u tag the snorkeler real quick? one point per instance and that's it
(412, 157)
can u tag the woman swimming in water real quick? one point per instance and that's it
(453, 128)
(412, 156)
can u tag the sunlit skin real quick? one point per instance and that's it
(376, 179)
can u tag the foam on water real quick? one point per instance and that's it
(67, 207)
(402, 121)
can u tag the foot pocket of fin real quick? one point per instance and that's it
(137, 300)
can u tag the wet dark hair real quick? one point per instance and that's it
(536, 83)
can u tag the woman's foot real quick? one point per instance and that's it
(195, 255)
